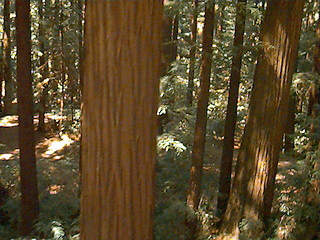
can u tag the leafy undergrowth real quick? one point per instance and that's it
(296, 210)
(58, 179)
(296, 206)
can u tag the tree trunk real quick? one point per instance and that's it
(170, 27)
(28, 171)
(60, 16)
(289, 130)
(231, 118)
(201, 120)
(120, 96)
(252, 192)
(314, 97)
(43, 70)
(80, 40)
(194, 190)
(193, 49)
(9, 89)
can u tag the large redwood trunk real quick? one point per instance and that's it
(252, 191)
(120, 98)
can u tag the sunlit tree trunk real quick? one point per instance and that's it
(193, 49)
(120, 98)
(231, 118)
(28, 171)
(252, 191)
(9, 87)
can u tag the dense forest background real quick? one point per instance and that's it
(188, 204)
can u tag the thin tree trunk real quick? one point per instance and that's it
(28, 171)
(193, 49)
(193, 197)
(253, 187)
(231, 118)
(289, 131)
(119, 119)
(314, 99)
(9, 88)
(170, 27)
(201, 120)
(175, 32)
(60, 16)
(314, 96)
(80, 40)
(43, 70)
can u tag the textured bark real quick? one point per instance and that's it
(193, 49)
(9, 88)
(194, 190)
(252, 192)
(28, 171)
(231, 118)
(120, 97)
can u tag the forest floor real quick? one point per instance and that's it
(58, 176)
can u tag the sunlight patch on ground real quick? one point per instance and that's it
(6, 156)
(58, 144)
(55, 189)
(9, 121)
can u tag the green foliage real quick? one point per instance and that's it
(175, 144)
(298, 198)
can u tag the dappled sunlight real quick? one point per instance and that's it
(6, 156)
(55, 189)
(54, 145)
(57, 145)
(9, 121)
